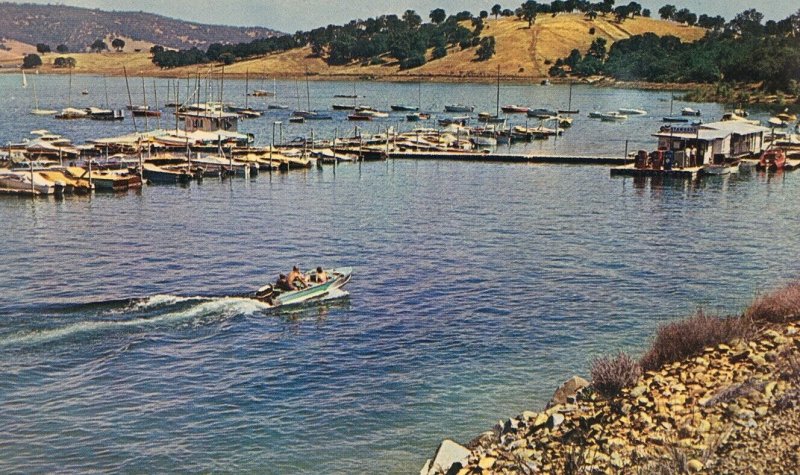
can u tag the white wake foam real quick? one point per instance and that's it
(215, 309)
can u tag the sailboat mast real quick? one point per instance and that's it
(569, 105)
(308, 93)
(130, 99)
(69, 93)
(155, 99)
(144, 98)
(246, 86)
(497, 109)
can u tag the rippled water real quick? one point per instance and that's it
(477, 290)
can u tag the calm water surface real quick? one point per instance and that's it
(477, 290)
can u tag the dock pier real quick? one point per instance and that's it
(511, 158)
(630, 170)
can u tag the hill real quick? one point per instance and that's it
(522, 53)
(77, 28)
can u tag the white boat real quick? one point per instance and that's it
(72, 113)
(21, 181)
(312, 291)
(37, 110)
(632, 111)
(776, 122)
(738, 117)
(690, 112)
(612, 116)
(481, 141)
(720, 168)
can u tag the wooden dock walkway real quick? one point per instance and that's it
(630, 170)
(511, 158)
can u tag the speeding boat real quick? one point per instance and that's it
(337, 278)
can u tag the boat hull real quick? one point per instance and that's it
(339, 277)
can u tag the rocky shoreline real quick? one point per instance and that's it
(734, 407)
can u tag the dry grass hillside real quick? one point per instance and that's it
(521, 52)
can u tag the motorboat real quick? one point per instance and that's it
(541, 113)
(777, 122)
(458, 108)
(417, 116)
(773, 159)
(312, 291)
(735, 116)
(690, 112)
(157, 174)
(25, 181)
(343, 107)
(632, 111)
(613, 116)
(404, 108)
(96, 113)
(72, 113)
(514, 109)
(720, 168)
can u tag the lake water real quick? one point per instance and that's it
(477, 290)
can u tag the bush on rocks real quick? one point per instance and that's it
(612, 373)
(679, 340)
(781, 306)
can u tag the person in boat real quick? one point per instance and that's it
(321, 276)
(297, 279)
(283, 283)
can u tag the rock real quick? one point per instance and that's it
(529, 415)
(567, 392)
(510, 425)
(448, 454)
(541, 420)
(758, 360)
(694, 465)
(555, 420)
(769, 388)
(638, 391)
(704, 427)
(487, 462)
(761, 411)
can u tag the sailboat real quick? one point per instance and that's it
(569, 109)
(308, 114)
(275, 105)
(70, 112)
(245, 112)
(36, 110)
(418, 116)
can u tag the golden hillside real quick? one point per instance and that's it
(520, 52)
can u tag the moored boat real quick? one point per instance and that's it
(613, 116)
(404, 108)
(542, 113)
(458, 108)
(514, 109)
(417, 116)
(629, 111)
(157, 174)
(688, 111)
(773, 159)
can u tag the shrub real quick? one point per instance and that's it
(612, 373)
(679, 340)
(777, 307)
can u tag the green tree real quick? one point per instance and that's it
(486, 49)
(598, 48)
(621, 13)
(412, 19)
(529, 10)
(437, 15)
(496, 10)
(156, 49)
(483, 14)
(31, 61)
(591, 15)
(98, 46)
(646, 13)
(118, 44)
(667, 12)
(62, 49)
(42, 48)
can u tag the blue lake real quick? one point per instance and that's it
(477, 290)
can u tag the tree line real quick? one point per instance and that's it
(745, 49)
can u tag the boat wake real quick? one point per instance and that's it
(147, 313)
(158, 311)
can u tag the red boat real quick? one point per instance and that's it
(514, 109)
(773, 159)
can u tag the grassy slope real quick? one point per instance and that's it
(520, 52)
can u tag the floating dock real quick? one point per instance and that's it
(511, 158)
(631, 170)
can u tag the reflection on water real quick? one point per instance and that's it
(477, 290)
